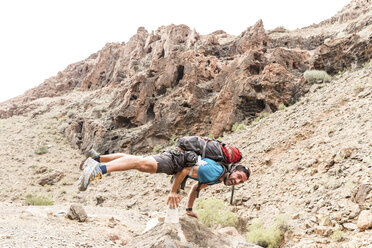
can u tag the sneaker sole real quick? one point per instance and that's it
(89, 165)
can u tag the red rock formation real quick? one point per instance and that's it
(175, 81)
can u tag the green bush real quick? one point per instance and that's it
(157, 149)
(337, 235)
(212, 212)
(314, 76)
(37, 201)
(281, 106)
(263, 236)
(281, 221)
(258, 118)
(340, 73)
(270, 236)
(173, 140)
(238, 127)
(41, 150)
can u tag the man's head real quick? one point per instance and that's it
(239, 175)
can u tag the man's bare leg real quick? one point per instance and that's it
(131, 162)
(105, 158)
(110, 157)
(95, 170)
(123, 162)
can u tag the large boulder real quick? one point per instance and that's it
(363, 195)
(365, 220)
(77, 212)
(188, 233)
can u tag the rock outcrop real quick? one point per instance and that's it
(174, 81)
(188, 233)
(365, 220)
(77, 212)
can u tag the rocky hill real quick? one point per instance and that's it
(310, 153)
(174, 81)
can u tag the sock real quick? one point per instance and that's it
(97, 158)
(103, 169)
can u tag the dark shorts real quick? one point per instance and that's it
(165, 163)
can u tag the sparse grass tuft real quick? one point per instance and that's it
(258, 118)
(238, 127)
(41, 150)
(316, 76)
(212, 212)
(173, 140)
(340, 73)
(157, 149)
(263, 236)
(270, 236)
(37, 201)
(281, 221)
(337, 235)
(282, 106)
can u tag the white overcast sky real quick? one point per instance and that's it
(41, 37)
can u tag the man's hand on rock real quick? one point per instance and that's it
(173, 200)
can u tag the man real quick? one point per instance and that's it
(205, 171)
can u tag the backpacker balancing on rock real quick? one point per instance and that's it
(202, 159)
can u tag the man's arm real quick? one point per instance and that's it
(191, 199)
(173, 197)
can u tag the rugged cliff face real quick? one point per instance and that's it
(174, 81)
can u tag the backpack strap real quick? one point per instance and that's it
(232, 195)
(204, 147)
(231, 154)
(183, 184)
(231, 166)
(229, 169)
